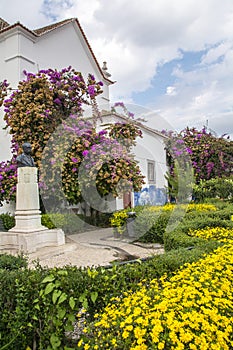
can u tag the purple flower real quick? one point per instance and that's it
(189, 150)
(77, 78)
(91, 90)
(131, 115)
(120, 104)
(103, 132)
(57, 101)
(178, 153)
(74, 160)
(85, 153)
(209, 166)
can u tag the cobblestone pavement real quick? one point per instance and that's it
(93, 248)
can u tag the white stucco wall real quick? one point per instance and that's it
(151, 147)
(63, 47)
(60, 48)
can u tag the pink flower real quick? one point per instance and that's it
(74, 160)
(91, 90)
(85, 153)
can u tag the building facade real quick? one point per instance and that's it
(61, 45)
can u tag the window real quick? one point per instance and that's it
(151, 171)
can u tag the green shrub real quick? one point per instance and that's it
(214, 188)
(119, 218)
(150, 226)
(10, 262)
(69, 223)
(73, 224)
(29, 308)
(8, 221)
(179, 237)
(55, 220)
(32, 313)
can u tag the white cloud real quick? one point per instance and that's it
(135, 38)
(27, 12)
(171, 91)
(216, 53)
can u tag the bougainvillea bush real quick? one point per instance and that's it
(47, 109)
(210, 157)
(93, 164)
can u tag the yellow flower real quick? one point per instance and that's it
(125, 334)
(161, 345)
(113, 341)
(191, 310)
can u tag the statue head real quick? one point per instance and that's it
(27, 148)
(25, 159)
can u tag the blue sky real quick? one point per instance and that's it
(172, 57)
(165, 78)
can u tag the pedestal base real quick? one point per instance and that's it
(16, 242)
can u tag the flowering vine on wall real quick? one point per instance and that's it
(50, 100)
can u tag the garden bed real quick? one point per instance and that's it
(38, 307)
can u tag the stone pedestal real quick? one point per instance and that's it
(27, 214)
(28, 235)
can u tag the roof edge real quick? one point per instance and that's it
(105, 113)
(44, 30)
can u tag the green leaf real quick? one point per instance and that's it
(61, 313)
(71, 317)
(94, 296)
(62, 273)
(55, 341)
(56, 295)
(83, 297)
(85, 304)
(49, 288)
(62, 298)
(49, 278)
(72, 303)
(69, 328)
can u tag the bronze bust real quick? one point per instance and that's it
(25, 159)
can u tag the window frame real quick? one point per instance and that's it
(151, 173)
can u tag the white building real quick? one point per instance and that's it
(58, 46)
(55, 46)
(150, 153)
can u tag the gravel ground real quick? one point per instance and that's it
(93, 248)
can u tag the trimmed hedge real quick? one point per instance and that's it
(11, 262)
(70, 223)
